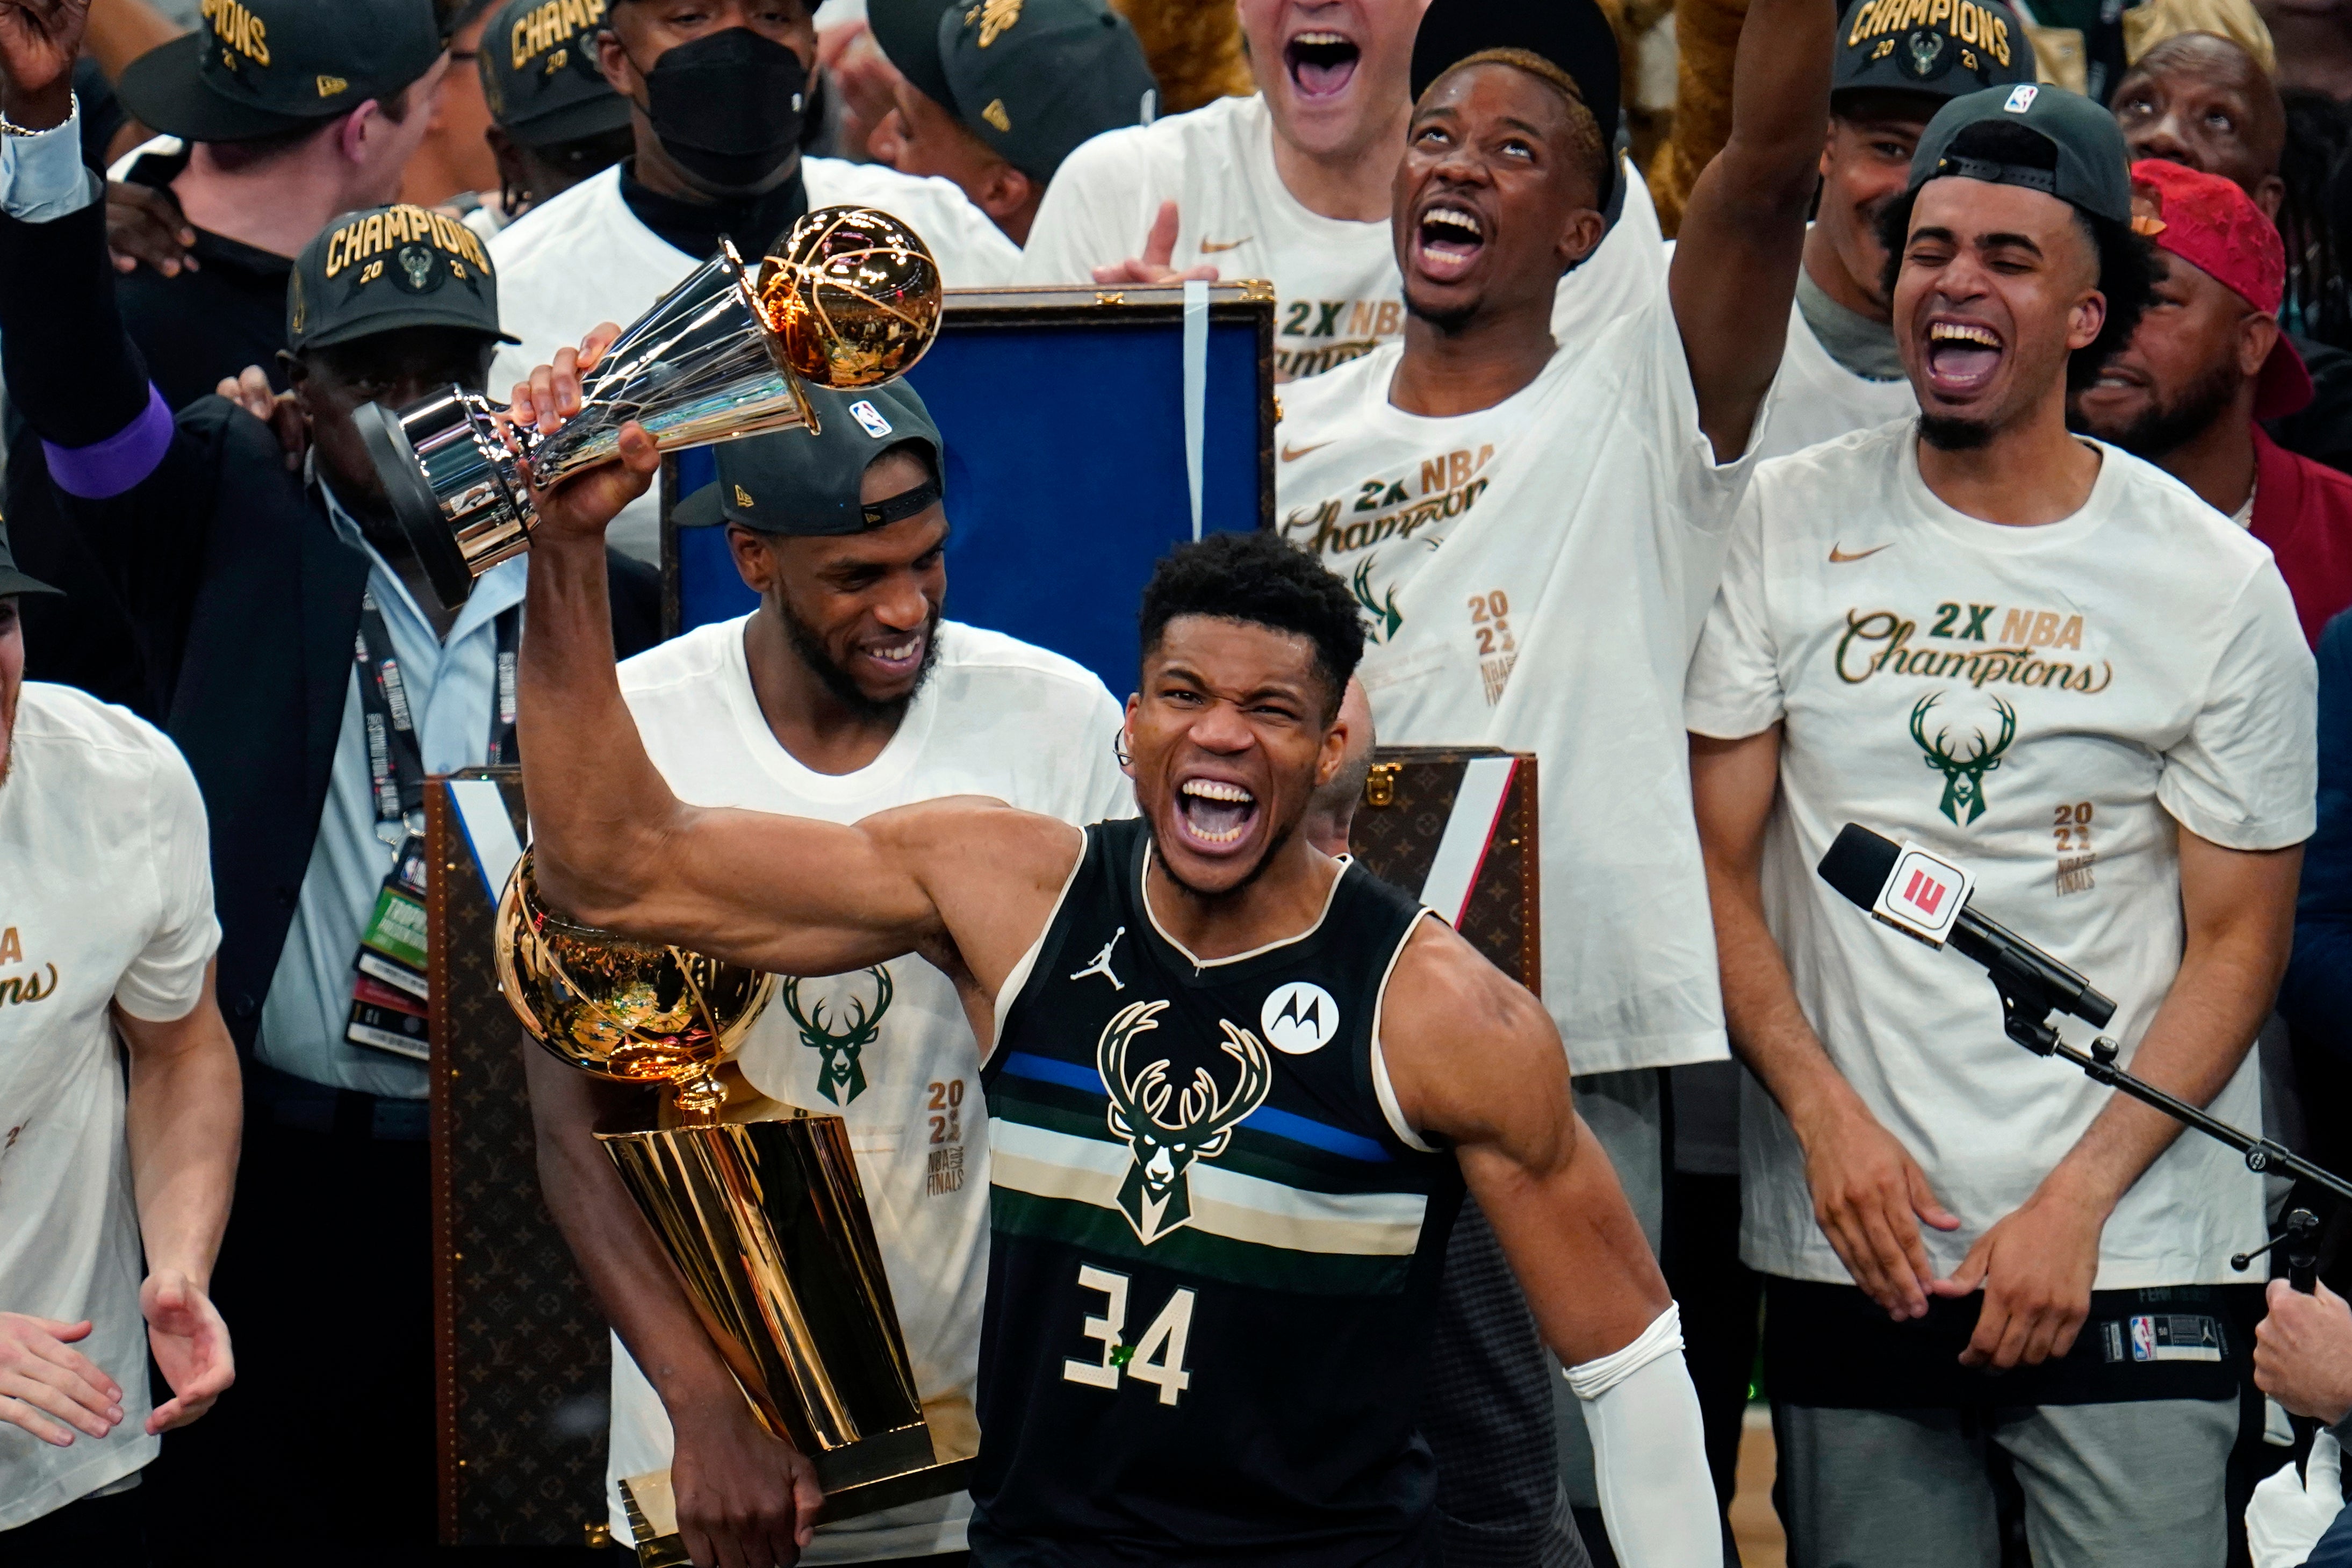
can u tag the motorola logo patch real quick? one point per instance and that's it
(1299, 1017)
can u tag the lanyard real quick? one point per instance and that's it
(395, 762)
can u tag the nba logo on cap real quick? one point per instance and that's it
(2022, 97)
(869, 416)
(1924, 896)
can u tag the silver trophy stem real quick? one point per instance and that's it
(701, 366)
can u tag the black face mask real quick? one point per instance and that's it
(727, 105)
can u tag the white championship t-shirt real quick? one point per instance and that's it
(996, 718)
(1337, 292)
(106, 896)
(2041, 706)
(1816, 399)
(582, 258)
(1533, 576)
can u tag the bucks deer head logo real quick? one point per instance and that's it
(1964, 773)
(1157, 1196)
(840, 1078)
(1380, 606)
(417, 263)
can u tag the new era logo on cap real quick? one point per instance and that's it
(1924, 896)
(2022, 97)
(867, 415)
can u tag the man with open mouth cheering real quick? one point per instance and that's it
(2037, 656)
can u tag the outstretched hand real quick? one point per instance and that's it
(38, 41)
(191, 1344)
(1154, 266)
(583, 504)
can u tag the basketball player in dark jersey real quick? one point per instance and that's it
(1237, 1089)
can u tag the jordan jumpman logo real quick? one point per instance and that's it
(1101, 965)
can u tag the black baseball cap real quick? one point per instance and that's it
(11, 580)
(255, 68)
(1937, 51)
(808, 483)
(385, 268)
(540, 74)
(2092, 171)
(1572, 34)
(1032, 78)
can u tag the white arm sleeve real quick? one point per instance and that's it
(1649, 1451)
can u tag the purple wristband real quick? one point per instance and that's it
(110, 467)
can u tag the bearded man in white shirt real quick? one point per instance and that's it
(845, 693)
(718, 92)
(107, 935)
(2050, 662)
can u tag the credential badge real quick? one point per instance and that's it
(1299, 1017)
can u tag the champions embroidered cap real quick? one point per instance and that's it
(539, 75)
(2214, 227)
(796, 482)
(1938, 48)
(255, 68)
(11, 580)
(2092, 170)
(1032, 78)
(386, 269)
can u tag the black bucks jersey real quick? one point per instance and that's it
(1215, 1254)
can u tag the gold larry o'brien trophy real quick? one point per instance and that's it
(764, 1220)
(849, 299)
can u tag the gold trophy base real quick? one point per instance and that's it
(954, 1436)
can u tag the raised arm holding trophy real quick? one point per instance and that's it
(849, 300)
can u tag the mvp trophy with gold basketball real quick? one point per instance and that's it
(850, 299)
(764, 1220)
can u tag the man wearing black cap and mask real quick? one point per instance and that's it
(718, 94)
(250, 587)
(845, 693)
(2046, 661)
(554, 120)
(279, 115)
(994, 99)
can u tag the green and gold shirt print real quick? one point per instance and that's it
(1214, 1255)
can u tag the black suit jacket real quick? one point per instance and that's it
(243, 598)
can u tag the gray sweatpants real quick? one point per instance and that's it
(2106, 1485)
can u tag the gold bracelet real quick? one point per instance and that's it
(10, 128)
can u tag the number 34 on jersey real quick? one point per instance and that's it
(1156, 1358)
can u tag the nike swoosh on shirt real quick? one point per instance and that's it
(1839, 557)
(1291, 453)
(1210, 247)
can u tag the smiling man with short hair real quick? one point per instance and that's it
(2044, 660)
(1236, 1089)
(845, 693)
